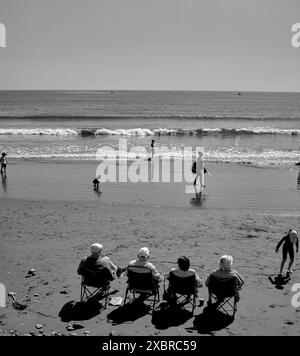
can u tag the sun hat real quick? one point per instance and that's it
(96, 248)
(143, 253)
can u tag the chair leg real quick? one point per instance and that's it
(194, 304)
(125, 296)
(153, 306)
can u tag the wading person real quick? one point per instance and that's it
(200, 170)
(3, 162)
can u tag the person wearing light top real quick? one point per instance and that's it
(200, 170)
(142, 261)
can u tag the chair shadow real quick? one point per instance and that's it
(165, 317)
(211, 320)
(279, 282)
(128, 313)
(77, 311)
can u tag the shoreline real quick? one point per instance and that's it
(230, 186)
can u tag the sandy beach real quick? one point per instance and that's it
(50, 215)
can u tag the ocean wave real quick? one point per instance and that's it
(267, 157)
(148, 132)
(39, 131)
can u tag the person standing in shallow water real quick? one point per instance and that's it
(200, 170)
(288, 242)
(152, 149)
(3, 162)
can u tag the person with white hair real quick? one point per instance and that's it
(288, 242)
(97, 261)
(226, 272)
(142, 261)
(200, 170)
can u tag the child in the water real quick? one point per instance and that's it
(288, 242)
(96, 182)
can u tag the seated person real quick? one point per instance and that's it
(183, 270)
(142, 261)
(96, 261)
(224, 273)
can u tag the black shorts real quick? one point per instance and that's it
(288, 249)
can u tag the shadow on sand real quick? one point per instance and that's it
(280, 281)
(76, 311)
(165, 317)
(211, 320)
(128, 313)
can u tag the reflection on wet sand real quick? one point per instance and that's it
(4, 182)
(199, 198)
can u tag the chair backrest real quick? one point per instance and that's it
(223, 287)
(182, 284)
(98, 278)
(140, 277)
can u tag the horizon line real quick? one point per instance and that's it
(162, 90)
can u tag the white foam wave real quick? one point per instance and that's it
(147, 131)
(39, 131)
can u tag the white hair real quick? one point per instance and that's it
(226, 262)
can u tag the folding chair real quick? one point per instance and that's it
(224, 293)
(95, 284)
(140, 281)
(183, 289)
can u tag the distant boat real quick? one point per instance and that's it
(239, 93)
(112, 92)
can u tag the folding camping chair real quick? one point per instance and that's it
(95, 284)
(140, 281)
(182, 290)
(224, 293)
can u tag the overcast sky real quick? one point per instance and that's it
(150, 44)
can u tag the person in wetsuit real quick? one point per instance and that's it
(288, 242)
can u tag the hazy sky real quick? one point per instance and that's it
(150, 44)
